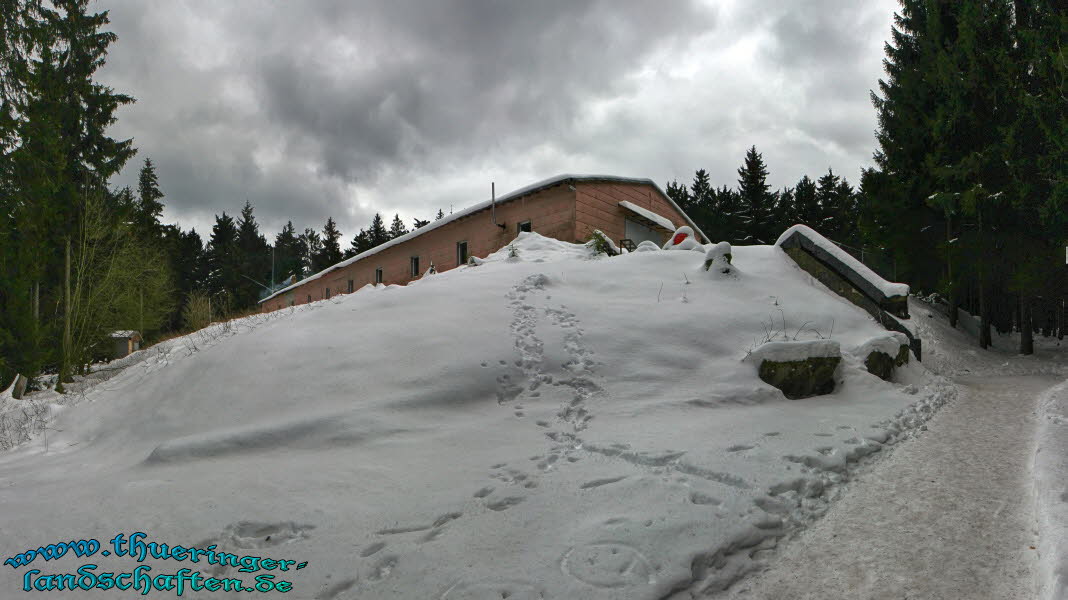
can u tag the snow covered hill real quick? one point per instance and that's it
(546, 426)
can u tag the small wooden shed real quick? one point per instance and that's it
(124, 342)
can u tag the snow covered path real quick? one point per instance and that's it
(949, 515)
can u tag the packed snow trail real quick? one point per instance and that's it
(949, 515)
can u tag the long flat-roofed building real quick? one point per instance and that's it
(565, 207)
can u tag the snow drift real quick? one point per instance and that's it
(550, 425)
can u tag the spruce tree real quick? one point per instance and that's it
(57, 158)
(440, 215)
(757, 201)
(360, 244)
(806, 202)
(907, 106)
(418, 223)
(377, 234)
(827, 195)
(785, 210)
(149, 202)
(397, 228)
(331, 250)
(254, 260)
(224, 269)
(311, 246)
(680, 195)
(287, 253)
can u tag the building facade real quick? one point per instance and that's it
(566, 207)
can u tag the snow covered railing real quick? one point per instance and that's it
(850, 278)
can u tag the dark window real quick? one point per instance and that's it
(415, 266)
(521, 227)
(461, 253)
(309, 297)
(378, 275)
(350, 286)
(327, 293)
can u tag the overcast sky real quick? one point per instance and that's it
(346, 108)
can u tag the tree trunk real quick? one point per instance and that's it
(1027, 341)
(64, 369)
(954, 305)
(1059, 307)
(984, 314)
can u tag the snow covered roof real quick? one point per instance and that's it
(648, 214)
(866, 279)
(530, 189)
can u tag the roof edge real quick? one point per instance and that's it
(513, 195)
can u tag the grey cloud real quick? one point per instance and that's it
(342, 109)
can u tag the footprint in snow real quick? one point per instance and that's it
(504, 503)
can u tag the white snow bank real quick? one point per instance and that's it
(1051, 493)
(887, 288)
(890, 343)
(554, 425)
(795, 351)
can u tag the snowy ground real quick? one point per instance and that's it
(544, 427)
(975, 508)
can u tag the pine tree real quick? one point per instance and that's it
(360, 244)
(419, 223)
(440, 215)
(397, 228)
(189, 264)
(377, 234)
(311, 246)
(680, 194)
(331, 251)
(785, 209)
(222, 257)
(55, 158)
(757, 201)
(806, 202)
(907, 106)
(727, 218)
(253, 259)
(827, 195)
(149, 202)
(287, 253)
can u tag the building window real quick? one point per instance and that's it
(521, 227)
(378, 275)
(309, 298)
(461, 253)
(350, 286)
(415, 266)
(327, 293)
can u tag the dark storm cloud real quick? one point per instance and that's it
(316, 109)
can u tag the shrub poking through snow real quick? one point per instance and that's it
(474, 261)
(600, 244)
(683, 239)
(513, 253)
(718, 260)
(798, 369)
(647, 246)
